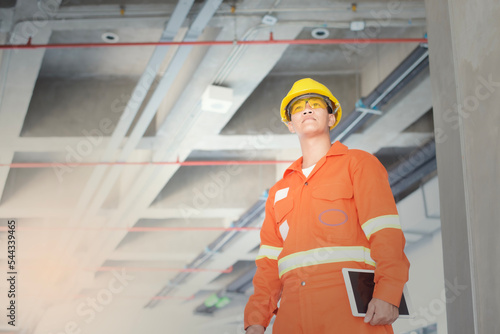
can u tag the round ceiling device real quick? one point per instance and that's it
(110, 37)
(320, 33)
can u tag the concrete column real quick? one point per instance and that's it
(465, 77)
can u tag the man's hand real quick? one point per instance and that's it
(255, 329)
(381, 312)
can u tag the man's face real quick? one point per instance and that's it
(310, 117)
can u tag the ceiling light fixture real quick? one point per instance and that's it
(320, 33)
(110, 37)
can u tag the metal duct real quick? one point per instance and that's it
(412, 65)
(407, 174)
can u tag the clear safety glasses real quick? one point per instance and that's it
(299, 104)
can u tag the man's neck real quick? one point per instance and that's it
(314, 149)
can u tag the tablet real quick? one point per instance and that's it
(360, 283)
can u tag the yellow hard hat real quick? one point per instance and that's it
(310, 86)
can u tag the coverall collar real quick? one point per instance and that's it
(337, 148)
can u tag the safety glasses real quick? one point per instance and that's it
(299, 104)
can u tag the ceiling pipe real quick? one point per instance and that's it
(270, 41)
(146, 163)
(406, 176)
(152, 269)
(410, 67)
(133, 229)
(78, 296)
(68, 11)
(86, 295)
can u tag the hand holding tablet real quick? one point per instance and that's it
(360, 284)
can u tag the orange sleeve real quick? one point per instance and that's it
(379, 221)
(263, 304)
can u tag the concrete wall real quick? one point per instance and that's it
(464, 50)
(426, 286)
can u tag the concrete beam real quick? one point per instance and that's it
(19, 70)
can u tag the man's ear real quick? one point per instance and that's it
(290, 127)
(331, 120)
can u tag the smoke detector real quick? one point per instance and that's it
(217, 99)
(269, 20)
(357, 25)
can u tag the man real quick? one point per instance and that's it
(332, 209)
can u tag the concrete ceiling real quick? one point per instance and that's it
(81, 264)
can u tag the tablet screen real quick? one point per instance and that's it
(362, 284)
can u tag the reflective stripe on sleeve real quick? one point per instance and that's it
(376, 224)
(324, 255)
(269, 251)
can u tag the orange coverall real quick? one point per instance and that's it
(343, 215)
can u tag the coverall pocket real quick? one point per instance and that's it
(334, 212)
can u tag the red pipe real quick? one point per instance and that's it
(134, 229)
(236, 42)
(148, 269)
(181, 163)
(152, 269)
(138, 297)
